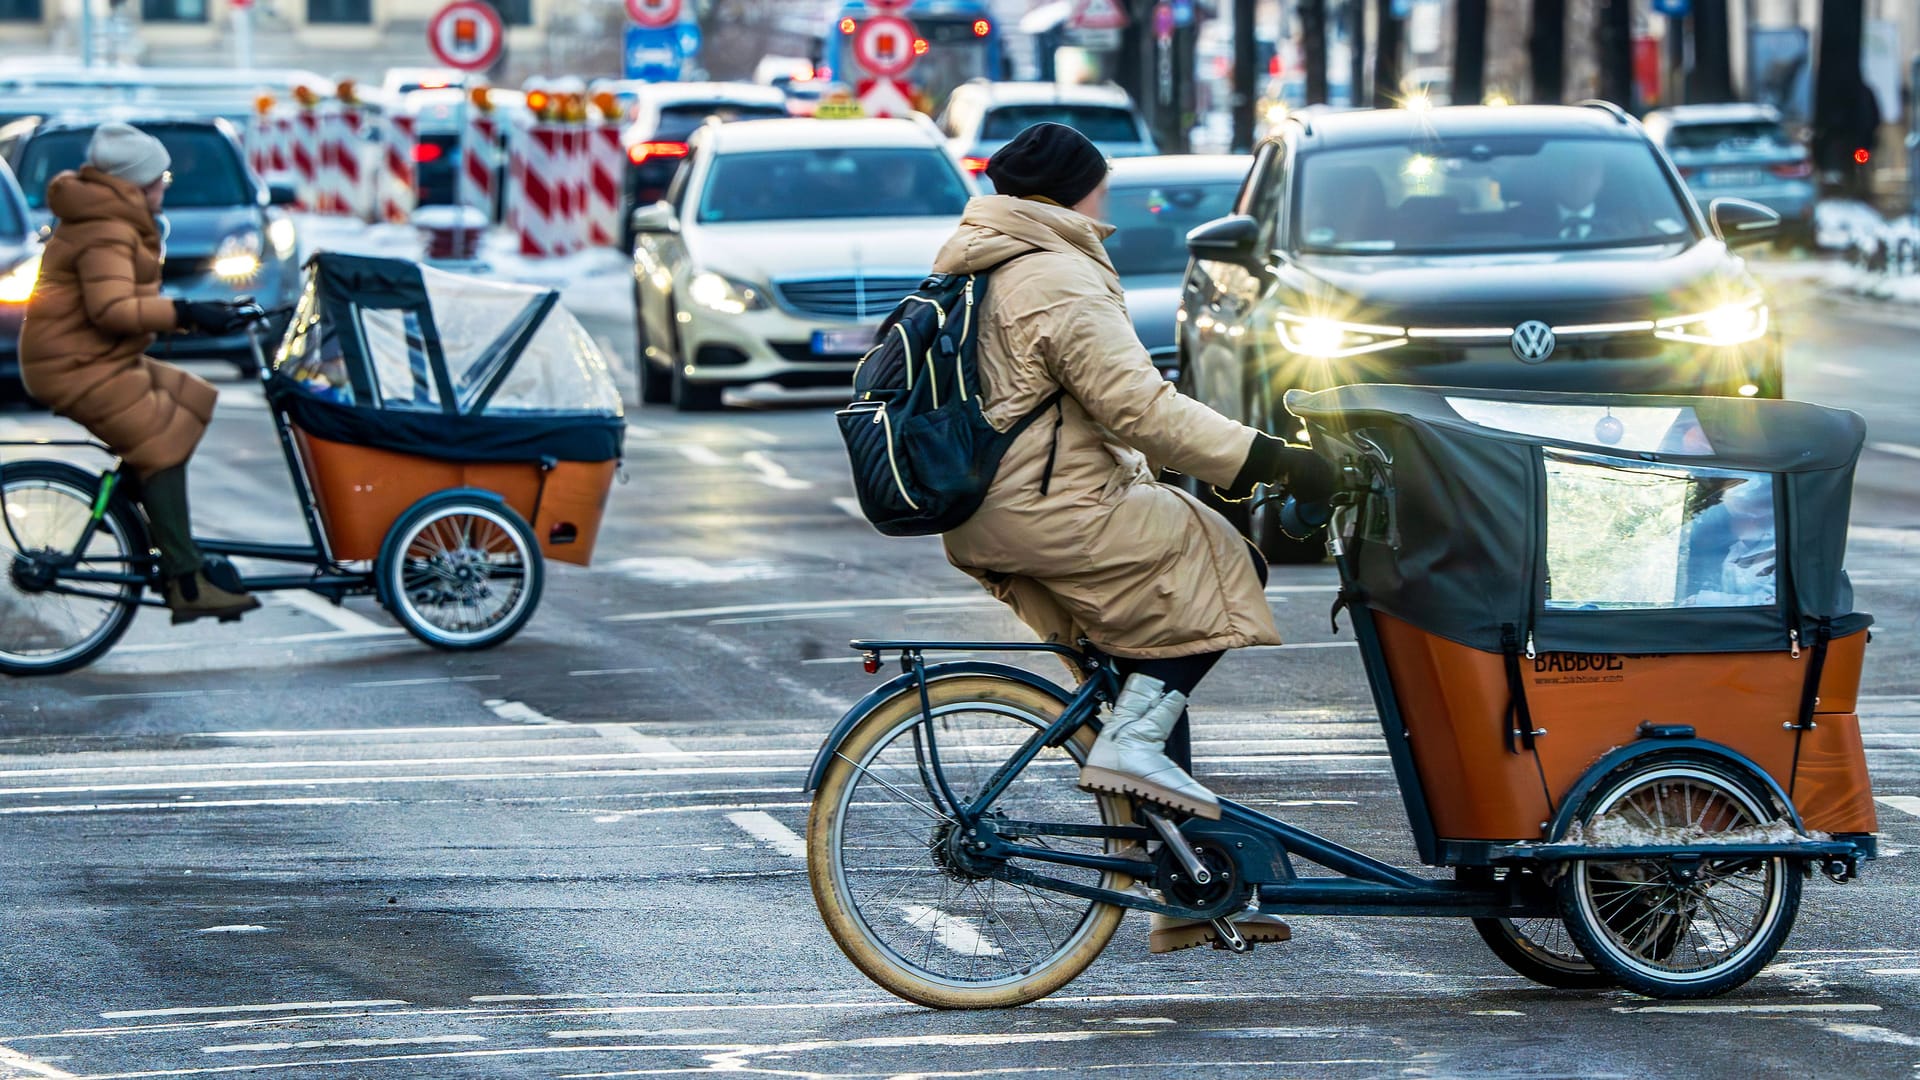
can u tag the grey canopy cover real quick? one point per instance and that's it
(1576, 520)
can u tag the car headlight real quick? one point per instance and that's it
(282, 235)
(238, 257)
(1331, 339)
(1730, 324)
(725, 295)
(16, 285)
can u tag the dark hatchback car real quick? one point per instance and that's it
(227, 234)
(19, 266)
(1549, 248)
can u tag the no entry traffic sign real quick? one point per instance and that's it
(884, 45)
(654, 13)
(466, 34)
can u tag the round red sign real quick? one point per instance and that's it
(884, 45)
(654, 14)
(467, 35)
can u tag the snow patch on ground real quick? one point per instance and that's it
(1882, 255)
(1613, 830)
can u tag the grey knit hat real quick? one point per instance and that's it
(125, 151)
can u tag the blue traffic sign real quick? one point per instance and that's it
(652, 55)
(1183, 12)
(689, 35)
(1673, 9)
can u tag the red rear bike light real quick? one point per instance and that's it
(641, 153)
(427, 153)
(871, 662)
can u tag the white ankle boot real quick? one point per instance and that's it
(1130, 756)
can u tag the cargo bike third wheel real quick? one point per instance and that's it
(461, 571)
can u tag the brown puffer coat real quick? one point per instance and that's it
(1141, 569)
(95, 310)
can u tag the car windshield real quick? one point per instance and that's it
(1101, 123)
(817, 184)
(1151, 222)
(1742, 136)
(206, 168)
(677, 122)
(1497, 193)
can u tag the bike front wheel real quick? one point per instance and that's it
(922, 923)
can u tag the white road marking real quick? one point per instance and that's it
(352, 732)
(595, 673)
(318, 638)
(646, 745)
(1710, 1010)
(524, 713)
(850, 506)
(617, 1033)
(751, 620)
(1893, 971)
(950, 931)
(435, 681)
(14, 1059)
(1868, 1033)
(317, 1044)
(772, 473)
(1843, 371)
(700, 455)
(237, 928)
(762, 827)
(156, 695)
(683, 570)
(1896, 449)
(431, 778)
(213, 804)
(764, 438)
(279, 1006)
(1907, 804)
(341, 619)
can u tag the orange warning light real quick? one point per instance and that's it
(847, 26)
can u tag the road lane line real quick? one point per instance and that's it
(430, 778)
(321, 637)
(1906, 804)
(596, 673)
(351, 732)
(278, 1006)
(762, 827)
(201, 804)
(772, 473)
(850, 506)
(1896, 449)
(318, 1044)
(950, 931)
(14, 1059)
(435, 681)
(653, 746)
(347, 622)
(524, 713)
(700, 455)
(1711, 1010)
(156, 695)
(1843, 371)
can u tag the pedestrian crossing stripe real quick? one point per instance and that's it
(1908, 804)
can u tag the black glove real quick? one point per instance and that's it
(1295, 469)
(208, 317)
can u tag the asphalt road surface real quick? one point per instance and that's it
(307, 846)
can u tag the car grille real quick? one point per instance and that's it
(860, 299)
(180, 269)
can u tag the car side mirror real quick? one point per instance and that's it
(654, 218)
(1229, 240)
(1738, 222)
(282, 195)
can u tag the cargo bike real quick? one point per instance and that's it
(1614, 656)
(445, 436)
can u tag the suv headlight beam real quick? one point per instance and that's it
(16, 285)
(1331, 339)
(1730, 324)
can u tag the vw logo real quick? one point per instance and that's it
(1532, 341)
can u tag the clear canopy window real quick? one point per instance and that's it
(1498, 193)
(1641, 429)
(1624, 535)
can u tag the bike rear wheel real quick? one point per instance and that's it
(43, 631)
(879, 850)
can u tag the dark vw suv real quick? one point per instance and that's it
(1550, 248)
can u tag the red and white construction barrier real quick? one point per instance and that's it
(606, 166)
(303, 153)
(480, 158)
(343, 163)
(543, 202)
(399, 184)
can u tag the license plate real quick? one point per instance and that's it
(843, 342)
(1733, 177)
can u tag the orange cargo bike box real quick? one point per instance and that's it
(1553, 591)
(447, 436)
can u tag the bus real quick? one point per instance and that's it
(962, 39)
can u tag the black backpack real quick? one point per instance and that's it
(923, 454)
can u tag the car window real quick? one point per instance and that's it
(1740, 136)
(1101, 123)
(813, 184)
(1495, 193)
(1151, 222)
(206, 168)
(683, 119)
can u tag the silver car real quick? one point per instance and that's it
(1742, 151)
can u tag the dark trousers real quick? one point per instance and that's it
(1183, 673)
(164, 496)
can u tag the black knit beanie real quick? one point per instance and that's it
(1049, 160)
